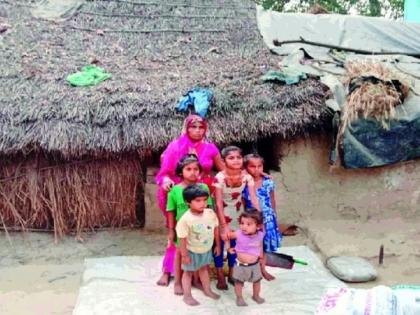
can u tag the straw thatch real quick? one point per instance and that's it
(39, 193)
(156, 51)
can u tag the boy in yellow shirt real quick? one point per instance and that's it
(197, 230)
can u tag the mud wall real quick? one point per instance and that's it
(308, 188)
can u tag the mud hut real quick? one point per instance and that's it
(74, 158)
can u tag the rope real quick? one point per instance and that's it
(278, 43)
(17, 3)
(180, 5)
(161, 16)
(145, 31)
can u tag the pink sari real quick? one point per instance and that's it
(205, 151)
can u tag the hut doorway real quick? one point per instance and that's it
(268, 148)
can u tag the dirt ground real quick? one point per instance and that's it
(38, 276)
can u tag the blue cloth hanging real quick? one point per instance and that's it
(199, 98)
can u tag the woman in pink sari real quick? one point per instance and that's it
(193, 140)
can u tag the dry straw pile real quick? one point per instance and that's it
(376, 99)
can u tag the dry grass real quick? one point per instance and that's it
(135, 110)
(69, 197)
(371, 100)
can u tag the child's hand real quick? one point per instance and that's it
(231, 250)
(225, 233)
(268, 175)
(186, 259)
(217, 251)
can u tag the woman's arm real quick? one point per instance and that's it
(167, 166)
(167, 183)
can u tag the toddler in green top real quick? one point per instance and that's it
(188, 169)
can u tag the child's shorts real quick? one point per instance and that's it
(247, 273)
(198, 261)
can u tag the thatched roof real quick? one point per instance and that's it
(155, 51)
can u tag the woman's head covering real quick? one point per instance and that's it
(192, 119)
(178, 148)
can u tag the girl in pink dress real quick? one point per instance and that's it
(193, 140)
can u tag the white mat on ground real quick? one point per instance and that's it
(126, 285)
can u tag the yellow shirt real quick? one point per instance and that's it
(198, 229)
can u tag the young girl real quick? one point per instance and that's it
(229, 185)
(254, 165)
(197, 230)
(249, 250)
(188, 169)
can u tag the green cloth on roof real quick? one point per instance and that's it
(90, 75)
(288, 75)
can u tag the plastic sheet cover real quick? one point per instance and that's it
(367, 143)
(127, 285)
(372, 34)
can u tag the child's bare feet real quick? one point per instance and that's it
(164, 279)
(190, 301)
(241, 302)
(197, 284)
(178, 289)
(212, 295)
(221, 282)
(268, 276)
(258, 299)
(221, 285)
